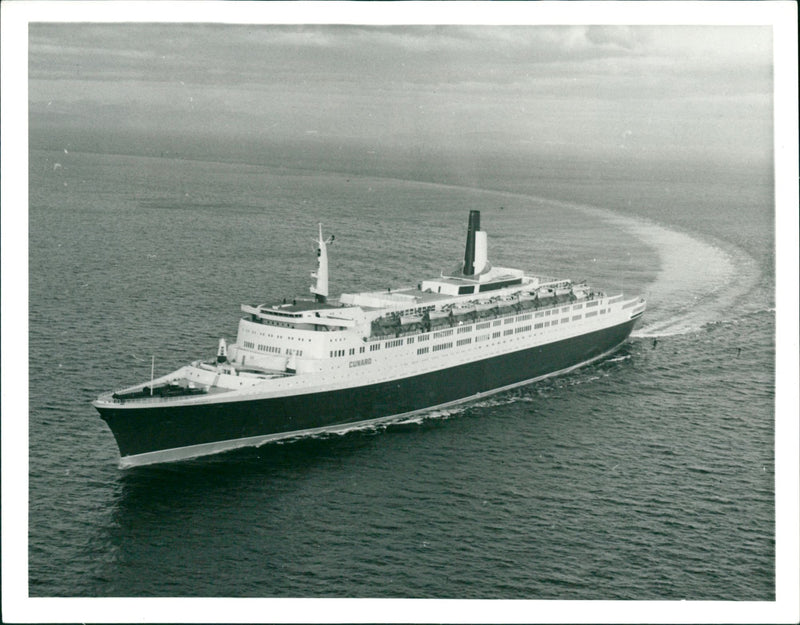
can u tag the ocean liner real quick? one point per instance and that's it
(325, 364)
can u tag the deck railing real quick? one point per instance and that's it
(508, 308)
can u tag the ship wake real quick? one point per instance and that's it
(376, 426)
(699, 281)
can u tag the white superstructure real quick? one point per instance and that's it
(370, 337)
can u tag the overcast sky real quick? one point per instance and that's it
(647, 89)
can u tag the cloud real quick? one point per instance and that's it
(558, 84)
(619, 37)
(238, 54)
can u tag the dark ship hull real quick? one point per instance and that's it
(162, 432)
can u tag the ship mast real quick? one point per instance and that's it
(320, 289)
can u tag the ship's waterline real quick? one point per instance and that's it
(360, 398)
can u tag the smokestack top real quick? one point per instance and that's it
(469, 251)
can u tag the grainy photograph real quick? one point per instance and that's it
(376, 309)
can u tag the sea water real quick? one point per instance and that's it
(649, 475)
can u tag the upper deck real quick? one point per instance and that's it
(306, 315)
(475, 283)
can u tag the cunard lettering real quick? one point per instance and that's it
(361, 362)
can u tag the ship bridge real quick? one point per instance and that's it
(306, 315)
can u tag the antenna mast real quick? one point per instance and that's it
(320, 289)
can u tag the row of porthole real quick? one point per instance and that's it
(442, 346)
(398, 342)
(467, 341)
(480, 326)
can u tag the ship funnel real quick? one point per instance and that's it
(481, 260)
(469, 251)
(475, 253)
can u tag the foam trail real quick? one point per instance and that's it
(414, 419)
(698, 282)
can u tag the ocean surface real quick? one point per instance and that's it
(649, 475)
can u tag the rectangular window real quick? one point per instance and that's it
(507, 332)
(494, 286)
(508, 320)
(422, 350)
(537, 326)
(539, 314)
(409, 340)
(591, 314)
(495, 334)
(576, 317)
(590, 304)
(424, 337)
(497, 322)
(465, 341)
(577, 307)
(463, 329)
(374, 347)
(482, 326)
